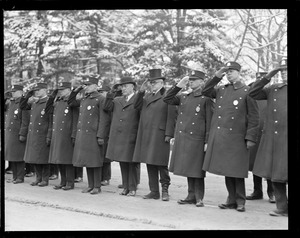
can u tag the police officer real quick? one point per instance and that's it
(16, 129)
(123, 133)
(257, 181)
(156, 129)
(272, 158)
(192, 127)
(91, 133)
(233, 131)
(61, 149)
(39, 134)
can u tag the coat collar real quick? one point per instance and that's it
(127, 103)
(236, 85)
(157, 96)
(43, 100)
(93, 95)
(280, 85)
(196, 93)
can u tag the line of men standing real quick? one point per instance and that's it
(213, 137)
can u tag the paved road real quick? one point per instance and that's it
(30, 208)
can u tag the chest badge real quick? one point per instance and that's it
(198, 108)
(235, 102)
(16, 111)
(66, 110)
(43, 112)
(89, 107)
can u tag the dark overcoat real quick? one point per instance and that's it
(262, 105)
(235, 120)
(16, 124)
(124, 127)
(61, 149)
(40, 128)
(157, 121)
(92, 124)
(272, 156)
(192, 128)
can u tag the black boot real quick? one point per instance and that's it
(165, 194)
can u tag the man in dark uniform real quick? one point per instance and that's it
(92, 129)
(192, 127)
(272, 156)
(257, 181)
(233, 132)
(16, 129)
(39, 134)
(123, 133)
(61, 149)
(156, 129)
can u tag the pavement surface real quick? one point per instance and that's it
(30, 208)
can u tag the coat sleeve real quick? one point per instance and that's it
(209, 87)
(104, 121)
(75, 115)
(171, 121)
(24, 122)
(257, 90)
(252, 119)
(209, 106)
(109, 102)
(24, 105)
(171, 98)
(138, 101)
(72, 101)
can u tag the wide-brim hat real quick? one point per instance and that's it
(14, 88)
(155, 74)
(260, 74)
(233, 65)
(39, 86)
(64, 85)
(125, 80)
(196, 74)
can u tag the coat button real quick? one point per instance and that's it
(37, 130)
(274, 99)
(88, 122)
(87, 130)
(221, 97)
(219, 107)
(276, 121)
(218, 127)
(219, 116)
(62, 122)
(275, 89)
(181, 113)
(236, 108)
(39, 123)
(180, 131)
(276, 132)
(196, 114)
(123, 110)
(191, 133)
(181, 122)
(232, 118)
(275, 110)
(230, 129)
(193, 123)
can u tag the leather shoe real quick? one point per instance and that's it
(68, 187)
(35, 183)
(152, 195)
(78, 180)
(278, 213)
(186, 201)
(227, 206)
(43, 184)
(10, 180)
(240, 208)
(254, 196)
(53, 177)
(95, 191)
(124, 192)
(56, 187)
(131, 193)
(200, 203)
(105, 182)
(272, 199)
(18, 181)
(86, 190)
(29, 174)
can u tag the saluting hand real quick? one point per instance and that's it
(221, 72)
(144, 86)
(168, 139)
(183, 82)
(100, 141)
(22, 139)
(250, 144)
(78, 89)
(273, 72)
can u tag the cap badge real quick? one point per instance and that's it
(235, 102)
(193, 72)
(61, 84)
(228, 64)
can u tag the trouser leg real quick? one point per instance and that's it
(133, 176)
(90, 177)
(240, 193)
(124, 173)
(257, 181)
(230, 186)
(62, 171)
(20, 170)
(45, 172)
(70, 175)
(106, 171)
(53, 169)
(97, 176)
(280, 196)
(138, 171)
(270, 189)
(191, 187)
(199, 188)
(153, 177)
(38, 171)
(13, 168)
(164, 176)
(78, 172)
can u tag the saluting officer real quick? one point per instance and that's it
(192, 128)
(92, 129)
(61, 149)
(272, 157)
(16, 129)
(257, 181)
(39, 134)
(233, 131)
(123, 133)
(156, 129)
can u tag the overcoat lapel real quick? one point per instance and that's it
(156, 97)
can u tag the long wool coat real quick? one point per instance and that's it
(235, 120)
(262, 106)
(156, 122)
(123, 129)
(272, 156)
(61, 149)
(92, 124)
(192, 128)
(40, 128)
(16, 124)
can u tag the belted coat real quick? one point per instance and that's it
(192, 129)
(157, 121)
(40, 128)
(61, 148)
(92, 124)
(272, 155)
(123, 129)
(235, 120)
(16, 124)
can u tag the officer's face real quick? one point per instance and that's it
(64, 92)
(40, 93)
(194, 84)
(90, 88)
(127, 89)
(16, 94)
(156, 84)
(232, 75)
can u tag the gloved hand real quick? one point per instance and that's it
(48, 141)
(78, 89)
(221, 72)
(167, 139)
(22, 138)
(272, 73)
(73, 141)
(144, 86)
(100, 141)
(250, 144)
(183, 82)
